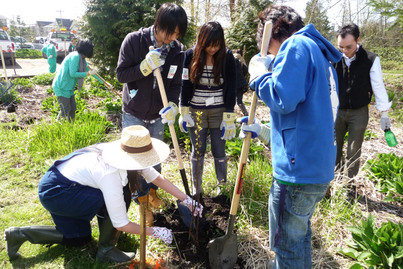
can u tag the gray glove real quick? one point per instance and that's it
(385, 121)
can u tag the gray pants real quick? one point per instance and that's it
(67, 107)
(353, 121)
(199, 145)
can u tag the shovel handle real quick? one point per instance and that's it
(107, 84)
(246, 142)
(157, 73)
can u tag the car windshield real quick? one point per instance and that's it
(62, 36)
(3, 36)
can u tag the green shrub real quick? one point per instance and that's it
(234, 148)
(387, 171)
(62, 137)
(51, 104)
(27, 53)
(376, 248)
(97, 88)
(44, 79)
(23, 82)
(8, 94)
(110, 105)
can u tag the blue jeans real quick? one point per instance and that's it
(156, 129)
(71, 204)
(290, 225)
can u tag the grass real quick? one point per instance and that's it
(25, 154)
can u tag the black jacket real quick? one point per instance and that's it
(228, 73)
(147, 102)
(355, 88)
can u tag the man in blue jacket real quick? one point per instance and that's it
(301, 93)
(142, 101)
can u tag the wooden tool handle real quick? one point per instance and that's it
(246, 143)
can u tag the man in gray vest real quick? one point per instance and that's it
(359, 76)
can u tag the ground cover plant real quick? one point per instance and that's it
(31, 140)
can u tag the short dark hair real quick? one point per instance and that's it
(285, 20)
(168, 17)
(85, 47)
(351, 29)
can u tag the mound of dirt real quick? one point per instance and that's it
(191, 248)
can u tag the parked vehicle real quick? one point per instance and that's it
(62, 39)
(8, 47)
(21, 43)
(38, 42)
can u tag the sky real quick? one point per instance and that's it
(31, 11)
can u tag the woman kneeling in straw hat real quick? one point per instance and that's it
(98, 180)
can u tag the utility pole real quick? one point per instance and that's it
(61, 18)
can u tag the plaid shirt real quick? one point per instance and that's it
(165, 48)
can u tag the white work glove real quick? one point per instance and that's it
(151, 62)
(259, 65)
(193, 205)
(185, 120)
(163, 233)
(92, 72)
(227, 127)
(50, 56)
(385, 121)
(169, 113)
(261, 131)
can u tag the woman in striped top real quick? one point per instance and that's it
(208, 100)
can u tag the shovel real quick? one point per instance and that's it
(184, 212)
(223, 251)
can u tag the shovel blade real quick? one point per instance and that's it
(223, 252)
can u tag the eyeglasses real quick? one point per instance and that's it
(348, 48)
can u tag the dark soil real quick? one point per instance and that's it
(191, 248)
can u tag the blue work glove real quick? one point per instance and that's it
(185, 120)
(169, 113)
(261, 131)
(227, 127)
(151, 62)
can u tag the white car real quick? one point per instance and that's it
(7, 46)
(62, 39)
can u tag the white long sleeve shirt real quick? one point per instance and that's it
(89, 169)
(378, 87)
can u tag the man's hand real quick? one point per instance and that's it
(92, 72)
(169, 113)
(185, 120)
(151, 62)
(260, 65)
(385, 121)
(227, 127)
(261, 131)
(163, 233)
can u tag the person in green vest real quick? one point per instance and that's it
(50, 52)
(72, 72)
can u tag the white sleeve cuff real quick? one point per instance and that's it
(150, 174)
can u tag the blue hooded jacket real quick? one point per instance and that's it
(301, 93)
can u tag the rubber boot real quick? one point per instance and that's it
(220, 166)
(108, 237)
(154, 200)
(16, 236)
(243, 109)
(197, 173)
(149, 214)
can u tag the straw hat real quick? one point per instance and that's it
(135, 150)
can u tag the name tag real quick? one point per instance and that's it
(210, 101)
(185, 74)
(172, 71)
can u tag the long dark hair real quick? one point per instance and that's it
(210, 34)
